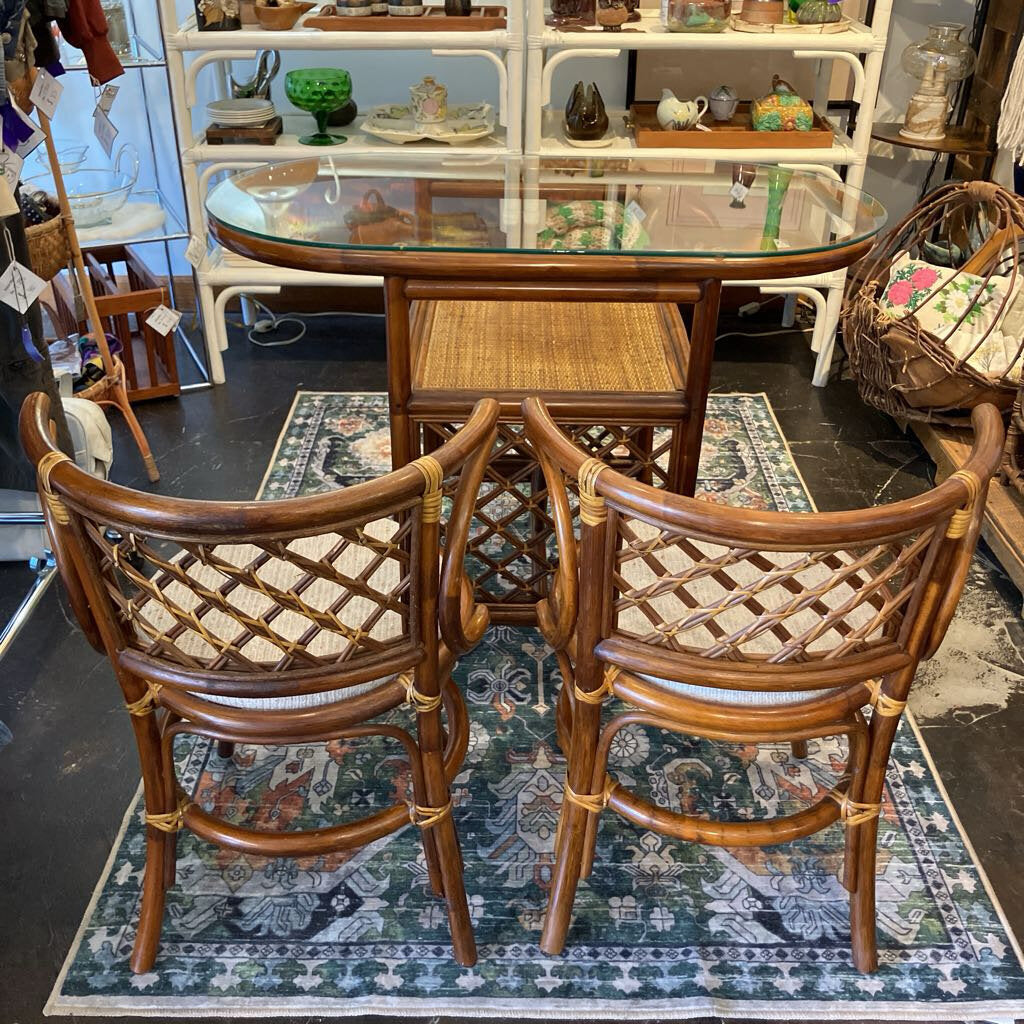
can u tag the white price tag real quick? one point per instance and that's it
(10, 167)
(163, 320)
(46, 92)
(19, 287)
(106, 100)
(635, 210)
(195, 251)
(104, 130)
(739, 191)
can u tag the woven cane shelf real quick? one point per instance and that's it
(547, 346)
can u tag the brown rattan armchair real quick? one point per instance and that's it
(748, 626)
(280, 622)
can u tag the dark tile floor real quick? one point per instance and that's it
(69, 773)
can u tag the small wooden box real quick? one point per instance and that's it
(736, 133)
(262, 135)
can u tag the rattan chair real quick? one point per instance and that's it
(275, 623)
(749, 626)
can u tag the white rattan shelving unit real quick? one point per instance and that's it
(212, 52)
(862, 49)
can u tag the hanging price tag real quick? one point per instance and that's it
(106, 100)
(739, 191)
(104, 130)
(46, 92)
(635, 210)
(195, 251)
(163, 320)
(10, 167)
(19, 287)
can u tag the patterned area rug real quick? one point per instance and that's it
(663, 929)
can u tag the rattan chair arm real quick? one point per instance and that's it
(183, 519)
(462, 622)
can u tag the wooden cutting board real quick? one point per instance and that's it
(261, 135)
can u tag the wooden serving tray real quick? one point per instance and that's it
(262, 135)
(481, 19)
(737, 133)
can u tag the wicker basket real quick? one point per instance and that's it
(904, 369)
(48, 249)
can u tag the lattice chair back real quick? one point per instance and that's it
(708, 595)
(266, 599)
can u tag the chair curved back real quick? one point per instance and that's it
(700, 593)
(266, 599)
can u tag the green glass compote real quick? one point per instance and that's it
(319, 91)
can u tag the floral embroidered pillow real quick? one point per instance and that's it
(911, 282)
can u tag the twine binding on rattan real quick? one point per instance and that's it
(145, 704)
(174, 820)
(611, 673)
(592, 802)
(433, 475)
(960, 522)
(884, 705)
(592, 508)
(44, 468)
(426, 817)
(852, 812)
(420, 701)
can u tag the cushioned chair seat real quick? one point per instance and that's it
(740, 698)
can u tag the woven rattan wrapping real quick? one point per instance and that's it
(305, 603)
(740, 604)
(545, 346)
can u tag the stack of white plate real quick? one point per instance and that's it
(240, 113)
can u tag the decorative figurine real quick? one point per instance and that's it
(571, 13)
(633, 6)
(782, 110)
(218, 15)
(680, 115)
(585, 117)
(429, 101)
(612, 14)
(723, 103)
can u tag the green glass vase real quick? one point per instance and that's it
(319, 91)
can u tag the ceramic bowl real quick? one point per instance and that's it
(282, 17)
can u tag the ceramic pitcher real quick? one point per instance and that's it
(679, 115)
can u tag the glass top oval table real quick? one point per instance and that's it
(535, 231)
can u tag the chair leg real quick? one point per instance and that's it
(225, 749)
(799, 749)
(589, 845)
(450, 856)
(862, 901)
(569, 842)
(161, 846)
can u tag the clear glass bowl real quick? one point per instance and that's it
(94, 194)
